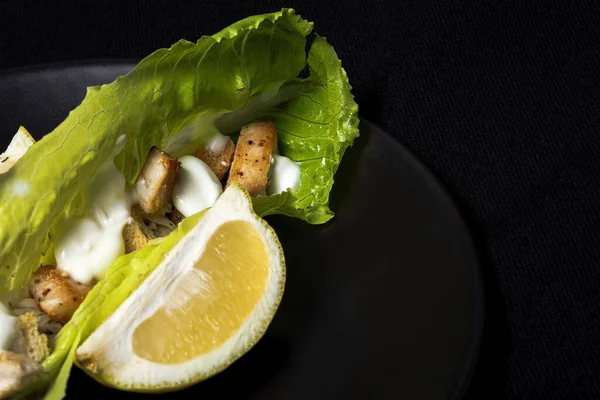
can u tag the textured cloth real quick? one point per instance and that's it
(500, 99)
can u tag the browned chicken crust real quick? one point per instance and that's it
(58, 296)
(154, 185)
(252, 158)
(220, 161)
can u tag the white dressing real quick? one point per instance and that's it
(88, 246)
(120, 144)
(197, 187)
(217, 143)
(8, 328)
(20, 188)
(283, 174)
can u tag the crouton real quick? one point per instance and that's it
(136, 234)
(252, 158)
(134, 237)
(30, 341)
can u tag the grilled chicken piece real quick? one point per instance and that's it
(252, 158)
(30, 341)
(16, 372)
(58, 296)
(218, 161)
(154, 185)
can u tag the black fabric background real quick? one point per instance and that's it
(500, 99)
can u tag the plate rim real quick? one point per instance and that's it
(463, 384)
(474, 348)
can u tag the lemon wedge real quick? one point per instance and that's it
(18, 146)
(209, 301)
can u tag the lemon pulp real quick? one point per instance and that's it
(210, 302)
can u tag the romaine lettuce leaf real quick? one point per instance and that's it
(170, 99)
(174, 99)
(123, 277)
(314, 129)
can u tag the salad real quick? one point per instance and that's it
(132, 238)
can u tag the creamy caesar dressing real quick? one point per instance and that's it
(283, 174)
(8, 328)
(120, 144)
(197, 186)
(20, 188)
(217, 143)
(88, 246)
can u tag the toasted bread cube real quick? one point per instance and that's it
(134, 237)
(30, 341)
(154, 186)
(136, 234)
(252, 158)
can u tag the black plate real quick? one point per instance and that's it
(383, 302)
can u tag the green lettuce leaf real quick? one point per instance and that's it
(314, 129)
(170, 99)
(123, 277)
(175, 98)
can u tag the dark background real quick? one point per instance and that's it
(500, 99)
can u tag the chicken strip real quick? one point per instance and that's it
(218, 161)
(16, 372)
(30, 341)
(58, 296)
(252, 158)
(154, 186)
